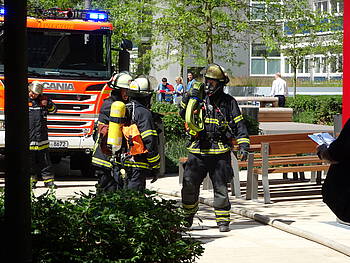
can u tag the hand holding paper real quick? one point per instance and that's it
(322, 138)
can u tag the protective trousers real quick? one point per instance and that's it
(220, 172)
(40, 165)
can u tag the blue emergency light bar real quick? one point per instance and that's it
(55, 13)
(97, 16)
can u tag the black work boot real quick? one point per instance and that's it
(188, 221)
(224, 226)
(50, 184)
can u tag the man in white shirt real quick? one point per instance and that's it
(279, 89)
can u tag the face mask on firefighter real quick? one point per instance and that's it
(211, 85)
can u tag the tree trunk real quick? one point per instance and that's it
(295, 81)
(182, 60)
(209, 32)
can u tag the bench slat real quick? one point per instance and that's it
(309, 168)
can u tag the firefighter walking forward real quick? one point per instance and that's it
(39, 107)
(211, 142)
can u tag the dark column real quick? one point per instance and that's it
(17, 181)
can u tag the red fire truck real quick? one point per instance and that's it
(70, 52)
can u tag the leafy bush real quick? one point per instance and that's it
(252, 125)
(175, 149)
(125, 226)
(315, 109)
(164, 107)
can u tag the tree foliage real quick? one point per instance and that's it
(203, 31)
(297, 30)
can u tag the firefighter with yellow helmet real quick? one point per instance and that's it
(214, 120)
(39, 107)
(101, 158)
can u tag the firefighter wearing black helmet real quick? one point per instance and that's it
(209, 148)
(101, 155)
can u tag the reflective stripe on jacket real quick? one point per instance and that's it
(222, 122)
(39, 108)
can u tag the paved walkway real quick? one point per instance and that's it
(299, 211)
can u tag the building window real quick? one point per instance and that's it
(273, 66)
(264, 62)
(258, 66)
(321, 6)
(257, 11)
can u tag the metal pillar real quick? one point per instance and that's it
(17, 242)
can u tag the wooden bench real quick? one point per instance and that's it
(276, 157)
(255, 157)
(275, 114)
(263, 101)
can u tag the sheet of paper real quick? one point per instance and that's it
(322, 138)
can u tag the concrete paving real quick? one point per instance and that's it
(292, 127)
(300, 227)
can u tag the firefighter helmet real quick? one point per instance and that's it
(216, 72)
(36, 87)
(140, 87)
(120, 80)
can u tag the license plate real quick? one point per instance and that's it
(58, 144)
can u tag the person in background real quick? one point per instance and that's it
(190, 80)
(165, 91)
(179, 90)
(39, 106)
(279, 89)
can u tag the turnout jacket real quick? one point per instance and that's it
(223, 122)
(39, 108)
(142, 117)
(100, 159)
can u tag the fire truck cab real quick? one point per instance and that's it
(70, 52)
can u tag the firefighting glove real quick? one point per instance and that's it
(243, 154)
(43, 101)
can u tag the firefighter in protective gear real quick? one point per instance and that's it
(209, 148)
(143, 159)
(101, 154)
(39, 106)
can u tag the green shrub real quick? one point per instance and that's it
(125, 226)
(164, 107)
(175, 149)
(252, 125)
(315, 109)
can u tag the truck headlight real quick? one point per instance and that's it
(2, 125)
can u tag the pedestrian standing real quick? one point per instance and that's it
(165, 91)
(209, 148)
(178, 90)
(279, 89)
(190, 80)
(39, 107)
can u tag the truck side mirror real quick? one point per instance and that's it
(124, 55)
